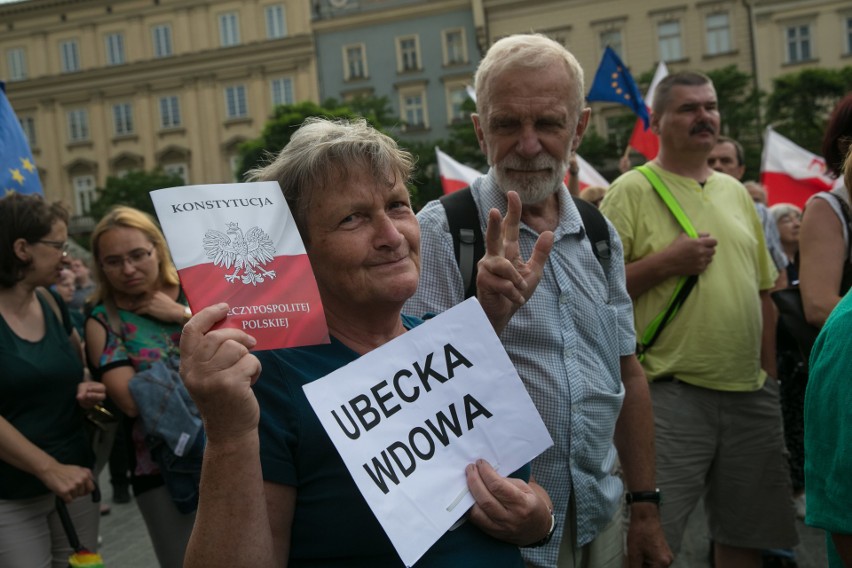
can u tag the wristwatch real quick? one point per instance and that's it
(654, 496)
(548, 536)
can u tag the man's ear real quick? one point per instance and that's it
(655, 123)
(480, 135)
(582, 124)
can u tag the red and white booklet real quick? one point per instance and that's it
(238, 243)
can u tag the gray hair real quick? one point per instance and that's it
(323, 153)
(529, 51)
(780, 210)
(662, 94)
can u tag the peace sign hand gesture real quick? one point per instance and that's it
(504, 281)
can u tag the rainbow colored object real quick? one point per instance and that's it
(86, 560)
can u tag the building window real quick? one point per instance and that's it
(798, 43)
(848, 35)
(282, 91)
(28, 126)
(355, 62)
(229, 29)
(16, 59)
(455, 47)
(276, 23)
(413, 109)
(235, 101)
(718, 33)
(84, 192)
(612, 39)
(180, 170)
(122, 118)
(162, 36)
(70, 56)
(668, 36)
(456, 97)
(78, 125)
(407, 54)
(169, 112)
(114, 49)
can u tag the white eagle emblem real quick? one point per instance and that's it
(245, 253)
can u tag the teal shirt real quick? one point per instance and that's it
(38, 390)
(828, 429)
(332, 525)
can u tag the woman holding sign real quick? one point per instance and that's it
(274, 490)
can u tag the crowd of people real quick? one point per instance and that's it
(653, 353)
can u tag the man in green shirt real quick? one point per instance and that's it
(717, 417)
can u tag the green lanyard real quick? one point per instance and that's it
(685, 283)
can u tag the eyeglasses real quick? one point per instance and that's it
(61, 246)
(134, 257)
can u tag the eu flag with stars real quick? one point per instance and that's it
(17, 167)
(614, 83)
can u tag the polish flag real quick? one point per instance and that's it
(790, 173)
(645, 141)
(587, 175)
(238, 243)
(456, 176)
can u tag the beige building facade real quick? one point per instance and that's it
(792, 36)
(696, 35)
(102, 88)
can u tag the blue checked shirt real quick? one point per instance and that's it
(566, 342)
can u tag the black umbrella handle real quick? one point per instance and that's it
(67, 525)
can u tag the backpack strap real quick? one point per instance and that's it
(684, 285)
(73, 337)
(595, 225)
(468, 241)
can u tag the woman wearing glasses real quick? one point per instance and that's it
(137, 321)
(44, 449)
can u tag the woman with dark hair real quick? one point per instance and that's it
(44, 448)
(136, 322)
(825, 272)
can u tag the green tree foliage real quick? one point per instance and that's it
(132, 190)
(739, 107)
(801, 102)
(277, 131)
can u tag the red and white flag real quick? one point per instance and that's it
(790, 173)
(645, 141)
(238, 243)
(587, 175)
(456, 176)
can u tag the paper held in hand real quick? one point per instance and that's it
(238, 243)
(408, 417)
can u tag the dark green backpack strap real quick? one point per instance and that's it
(468, 241)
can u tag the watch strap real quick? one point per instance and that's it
(654, 496)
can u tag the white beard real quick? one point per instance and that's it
(531, 189)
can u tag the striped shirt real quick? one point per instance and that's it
(565, 342)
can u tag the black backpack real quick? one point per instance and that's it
(469, 242)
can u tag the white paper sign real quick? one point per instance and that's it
(407, 419)
(238, 243)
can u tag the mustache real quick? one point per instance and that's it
(702, 127)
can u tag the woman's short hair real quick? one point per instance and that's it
(27, 217)
(838, 136)
(534, 51)
(780, 210)
(122, 216)
(323, 153)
